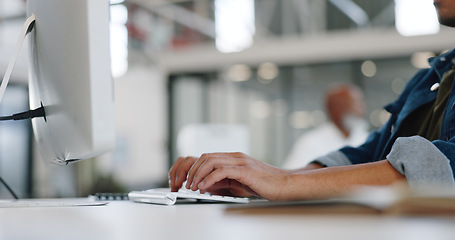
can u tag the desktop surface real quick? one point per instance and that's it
(129, 220)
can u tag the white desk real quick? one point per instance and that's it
(128, 220)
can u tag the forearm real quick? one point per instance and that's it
(237, 171)
(311, 166)
(333, 181)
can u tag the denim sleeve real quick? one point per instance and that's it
(421, 162)
(333, 159)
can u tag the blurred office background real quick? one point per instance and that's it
(241, 74)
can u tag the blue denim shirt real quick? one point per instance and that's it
(421, 161)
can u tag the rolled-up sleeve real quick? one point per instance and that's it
(421, 162)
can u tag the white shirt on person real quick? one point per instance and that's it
(322, 140)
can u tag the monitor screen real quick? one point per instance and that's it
(70, 75)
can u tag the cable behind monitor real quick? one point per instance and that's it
(9, 189)
(27, 27)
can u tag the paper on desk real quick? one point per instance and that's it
(399, 199)
(62, 202)
(387, 200)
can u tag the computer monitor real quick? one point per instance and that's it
(70, 75)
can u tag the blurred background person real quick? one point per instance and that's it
(344, 104)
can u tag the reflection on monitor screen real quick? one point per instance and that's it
(70, 76)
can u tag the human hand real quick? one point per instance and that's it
(227, 187)
(229, 174)
(179, 172)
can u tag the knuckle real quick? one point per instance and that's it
(180, 160)
(240, 154)
(208, 157)
(222, 168)
(204, 155)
